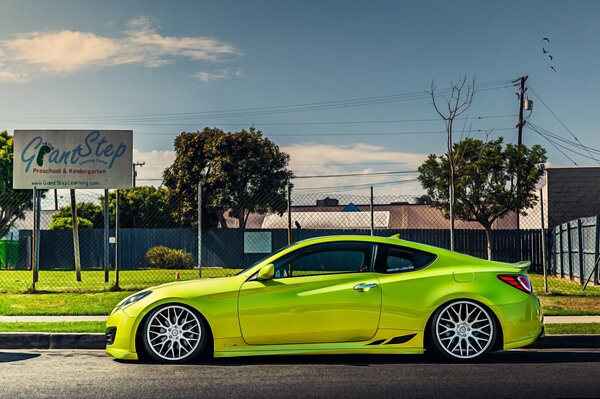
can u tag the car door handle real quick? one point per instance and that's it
(364, 287)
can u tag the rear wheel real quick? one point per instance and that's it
(174, 334)
(463, 330)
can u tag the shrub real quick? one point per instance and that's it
(62, 223)
(162, 257)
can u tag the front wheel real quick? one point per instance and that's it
(463, 330)
(174, 334)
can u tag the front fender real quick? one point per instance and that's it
(219, 311)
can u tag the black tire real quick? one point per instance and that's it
(463, 331)
(175, 334)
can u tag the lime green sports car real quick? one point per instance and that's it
(336, 295)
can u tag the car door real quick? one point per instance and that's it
(321, 293)
(406, 286)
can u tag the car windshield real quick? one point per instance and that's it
(266, 257)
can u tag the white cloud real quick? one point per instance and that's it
(156, 162)
(60, 52)
(218, 74)
(38, 54)
(311, 159)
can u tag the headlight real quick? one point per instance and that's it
(134, 298)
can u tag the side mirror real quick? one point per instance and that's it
(266, 272)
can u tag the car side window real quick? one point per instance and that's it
(396, 259)
(339, 257)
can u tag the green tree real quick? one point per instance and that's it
(240, 172)
(139, 207)
(143, 207)
(64, 223)
(486, 176)
(13, 203)
(86, 210)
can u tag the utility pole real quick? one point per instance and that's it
(520, 124)
(522, 90)
(140, 164)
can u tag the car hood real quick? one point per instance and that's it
(198, 287)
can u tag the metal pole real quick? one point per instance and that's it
(106, 237)
(199, 230)
(34, 254)
(289, 212)
(543, 243)
(55, 199)
(75, 229)
(38, 234)
(372, 214)
(117, 240)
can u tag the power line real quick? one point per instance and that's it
(302, 107)
(561, 122)
(354, 186)
(338, 175)
(347, 134)
(554, 144)
(380, 121)
(357, 174)
(562, 139)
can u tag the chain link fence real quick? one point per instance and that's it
(158, 238)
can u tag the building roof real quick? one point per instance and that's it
(387, 216)
(328, 220)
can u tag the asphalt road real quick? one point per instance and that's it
(91, 374)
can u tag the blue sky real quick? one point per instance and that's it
(73, 64)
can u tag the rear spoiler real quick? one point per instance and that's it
(523, 265)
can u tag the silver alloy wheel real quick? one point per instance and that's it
(464, 329)
(173, 332)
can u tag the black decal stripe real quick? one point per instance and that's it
(378, 342)
(400, 340)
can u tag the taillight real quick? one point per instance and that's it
(518, 281)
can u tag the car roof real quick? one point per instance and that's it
(394, 240)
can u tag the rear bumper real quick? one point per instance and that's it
(121, 331)
(522, 322)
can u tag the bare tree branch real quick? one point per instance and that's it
(457, 103)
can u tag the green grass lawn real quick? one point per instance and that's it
(70, 327)
(565, 297)
(19, 281)
(59, 293)
(573, 328)
(60, 304)
(562, 286)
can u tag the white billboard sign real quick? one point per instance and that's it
(72, 159)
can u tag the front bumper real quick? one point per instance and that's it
(121, 331)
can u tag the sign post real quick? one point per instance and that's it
(106, 237)
(75, 228)
(71, 159)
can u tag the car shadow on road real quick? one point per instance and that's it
(504, 357)
(8, 357)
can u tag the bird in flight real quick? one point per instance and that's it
(546, 39)
(544, 50)
(551, 58)
(551, 67)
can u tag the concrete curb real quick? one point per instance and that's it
(568, 341)
(24, 340)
